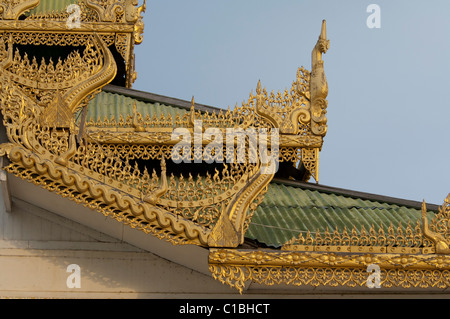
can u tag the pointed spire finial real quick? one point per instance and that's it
(323, 32)
(424, 208)
(323, 42)
(192, 110)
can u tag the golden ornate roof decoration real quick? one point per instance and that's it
(118, 23)
(108, 167)
(412, 257)
(126, 168)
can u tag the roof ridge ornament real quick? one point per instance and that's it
(306, 102)
(155, 195)
(138, 127)
(438, 240)
(318, 84)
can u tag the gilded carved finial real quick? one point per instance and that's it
(138, 127)
(319, 85)
(438, 240)
(192, 114)
(263, 110)
(322, 45)
(192, 120)
(258, 88)
(152, 198)
(139, 25)
(310, 87)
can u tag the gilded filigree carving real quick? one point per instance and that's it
(105, 161)
(408, 256)
(109, 167)
(125, 11)
(400, 239)
(107, 10)
(12, 9)
(237, 267)
(441, 222)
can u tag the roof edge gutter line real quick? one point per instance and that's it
(156, 98)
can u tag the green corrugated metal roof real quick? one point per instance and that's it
(47, 6)
(108, 105)
(287, 211)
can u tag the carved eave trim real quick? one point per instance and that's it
(49, 26)
(88, 188)
(414, 258)
(237, 267)
(268, 257)
(163, 136)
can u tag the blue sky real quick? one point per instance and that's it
(387, 106)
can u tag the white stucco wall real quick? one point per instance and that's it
(37, 246)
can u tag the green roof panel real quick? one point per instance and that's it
(108, 105)
(51, 6)
(287, 211)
